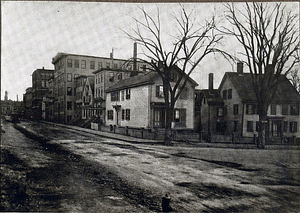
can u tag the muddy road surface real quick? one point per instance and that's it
(37, 176)
(67, 170)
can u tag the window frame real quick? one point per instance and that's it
(69, 91)
(76, 63)
(92, 65)
(235, 109)
(83, 64)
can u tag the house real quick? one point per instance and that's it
(138, 102)
(67, 68)
(240, 108)
(211, 111)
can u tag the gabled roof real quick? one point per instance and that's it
(139, 80)
(243, 84)
(213, 97)
(134, 81)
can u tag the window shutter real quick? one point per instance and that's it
(157, 91)
(183, 116)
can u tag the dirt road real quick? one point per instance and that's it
(80, 172)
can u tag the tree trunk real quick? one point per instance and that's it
(261, 143)
(168, 130)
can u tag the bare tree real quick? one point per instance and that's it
(294, 77)
(269, 35)
(188, 49)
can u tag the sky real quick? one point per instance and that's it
(34, 32)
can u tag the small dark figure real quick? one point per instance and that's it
(165, 203)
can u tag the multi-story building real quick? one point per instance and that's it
(27, 99)
(67, 68)
(40, 79)
(138, 102)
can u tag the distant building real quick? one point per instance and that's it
(27, 99)
(40, 86)
(67, 68)
(9, 107)
(138, 102)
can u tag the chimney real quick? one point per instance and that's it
(17, 98)
(135, 56)
(112, 53)
(211, 82)
(240, 67)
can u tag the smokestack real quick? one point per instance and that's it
(6, 96)
(135, 56)
(17, 98)
(240, 67)
(112, 53)
(211, 82)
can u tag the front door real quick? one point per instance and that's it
(159, 118)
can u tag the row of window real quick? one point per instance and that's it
(115, 96)
(159, 93)
(125, 114)
(251, 109)
(292, 126)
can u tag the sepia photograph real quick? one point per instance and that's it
(115, 106)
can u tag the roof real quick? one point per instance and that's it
(134, 81)
(243, 85)
(61, 54)
(213, 97)
(139, 80)
(113, 69)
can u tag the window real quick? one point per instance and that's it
(122, 95)
(293, 126)
(184, 93)
(123, 114)
(83, 64)
(273, 109)
(101, 92)
(180, 117)
(115, 66)
(69, 63)
(285, 109)
(69, 77)
(224, 94)
(219, 111)
(107, 65)
(101, 77)
(115, 96)
(294, 110)
(111, 76)
(69, 91)
(250, 109)
(69, 105)
(235, 109)
(75, 76)
(159, 92)
(128, 114)
(43, 84)
(285, 126)
(173, 76)
(229, 94)
(76, 63)
(120, 76)
(249, 126)
(92, 65)
(127, 94)
(99, 65)
(110, 114)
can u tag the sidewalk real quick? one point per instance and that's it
(109, 134)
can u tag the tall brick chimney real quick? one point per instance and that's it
(211, 82)
(240, 67)
(135, 56)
